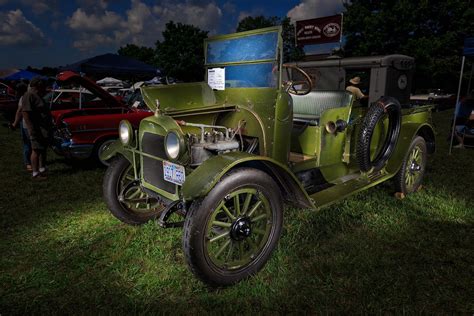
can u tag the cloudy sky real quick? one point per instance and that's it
(55, 32)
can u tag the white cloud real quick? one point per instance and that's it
(36, 6)
(81, 21)
(41, 6)
(141, 25)
(309, 9)
(16, 29)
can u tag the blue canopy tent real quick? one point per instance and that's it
(113, 65)
(22, 75)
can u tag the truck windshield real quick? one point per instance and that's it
(249, 61)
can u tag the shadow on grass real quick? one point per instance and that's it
(347, 266)
(336, 260)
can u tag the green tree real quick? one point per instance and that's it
(142, 53)
(181, 54)
(257, 22)
(290, 51)
(431, 31)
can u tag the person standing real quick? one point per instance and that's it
(38, 121)
(354, 88)
(19, 121)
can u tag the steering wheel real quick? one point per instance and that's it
(306, 84)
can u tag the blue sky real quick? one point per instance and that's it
(57, 32)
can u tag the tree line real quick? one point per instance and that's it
(181, 55)
(432, 31)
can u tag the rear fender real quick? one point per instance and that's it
(201, 181)
(407, 133)
(116, 148)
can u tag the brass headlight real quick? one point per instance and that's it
(125, 132)
(173, 145)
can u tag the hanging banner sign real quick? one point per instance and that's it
(468, 47)
(319, 31)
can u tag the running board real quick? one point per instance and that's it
(347, 188)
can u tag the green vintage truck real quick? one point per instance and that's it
(222, 157)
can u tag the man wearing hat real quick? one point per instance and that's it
(354, 89)
(39, 124)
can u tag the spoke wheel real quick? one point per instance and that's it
(238, 229)
(230, 234)
(124, 196)
(410, 176)
(132, 197)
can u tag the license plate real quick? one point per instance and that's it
(173, 173)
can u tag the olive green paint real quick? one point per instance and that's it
(267, 114)
(116, 148)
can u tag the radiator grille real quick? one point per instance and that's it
(153, 144)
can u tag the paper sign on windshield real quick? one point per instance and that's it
(216, 78)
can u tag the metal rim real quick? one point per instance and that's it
(414, 168)
(238, 229)
(134, 199)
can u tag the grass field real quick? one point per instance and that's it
(62, 252)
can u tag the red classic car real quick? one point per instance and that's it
(85, 133)
(8, 101)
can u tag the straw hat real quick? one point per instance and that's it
(355, 80)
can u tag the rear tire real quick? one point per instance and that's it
(230, 234)
(410, 175)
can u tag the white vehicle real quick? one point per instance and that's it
(430, 95)
(440, 99)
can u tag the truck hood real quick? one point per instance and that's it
(68, 77)
(179, 97)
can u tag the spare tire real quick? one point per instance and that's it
(376, 112)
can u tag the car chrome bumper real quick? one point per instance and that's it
(70, 150)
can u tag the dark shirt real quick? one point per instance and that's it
(39, 113)
(465, 108)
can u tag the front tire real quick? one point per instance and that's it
(410, 175)
(230, 234)
(124, 196)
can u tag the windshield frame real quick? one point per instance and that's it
(276, 60)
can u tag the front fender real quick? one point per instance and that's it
(116, 148)
(201, 181)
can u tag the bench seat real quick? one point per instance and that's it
(309, 108)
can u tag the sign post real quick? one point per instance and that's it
(468, 51)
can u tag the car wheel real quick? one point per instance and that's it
(410, 176)
(230, 234)
(99, 148)
(124, 196)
